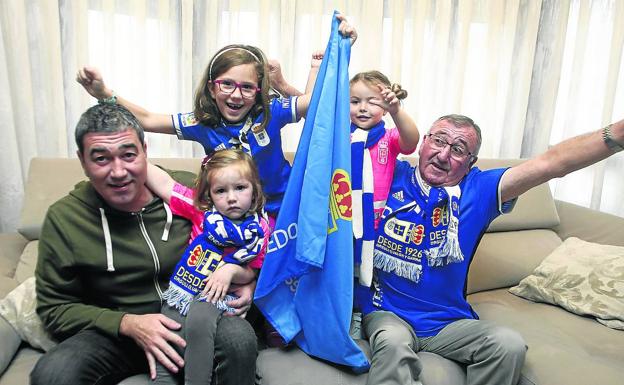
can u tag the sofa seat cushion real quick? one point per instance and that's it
(563, 348)
(294, 367)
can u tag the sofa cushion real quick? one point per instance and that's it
(502, 259)
(582, 277)
(44, 188)
(294, 367)
(19, 308)
(534, 209)
(563, 347)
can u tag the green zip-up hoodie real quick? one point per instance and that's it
(96, 263)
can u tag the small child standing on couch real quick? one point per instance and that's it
(229, 238)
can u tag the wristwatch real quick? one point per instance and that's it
(609, 141)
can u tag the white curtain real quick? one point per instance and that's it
(530, 72)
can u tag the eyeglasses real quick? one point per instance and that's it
(248, 91)
(458, 150)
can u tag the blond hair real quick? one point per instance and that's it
(373, 78)
(223, 159)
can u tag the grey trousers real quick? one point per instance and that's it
(493, 355)
(199, 328)
(90, 357)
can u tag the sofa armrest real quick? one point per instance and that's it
(10, 342)
(11, 247)
(589, 225)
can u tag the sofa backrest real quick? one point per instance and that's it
(514, 245)
(50, 179)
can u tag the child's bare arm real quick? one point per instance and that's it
(92, 81)
(408, 132)
(159, 182)
(218, 284)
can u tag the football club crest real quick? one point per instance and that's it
(418, 234)
(399, 230)
(382, 152)
(340, 198)
(261, 137)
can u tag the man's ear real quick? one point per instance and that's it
(474, 160)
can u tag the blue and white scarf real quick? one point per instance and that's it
(363, 188)
(206, 253)
(425, 203)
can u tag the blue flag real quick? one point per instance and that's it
(305, 288)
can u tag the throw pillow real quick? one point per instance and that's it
(18, 308)
(582, 277)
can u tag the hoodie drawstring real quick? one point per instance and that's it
(165, 236)
(108, 242)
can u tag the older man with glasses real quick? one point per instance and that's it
(434, 218)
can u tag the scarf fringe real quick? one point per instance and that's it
(181, 300)
(178, 298)
(390, 264)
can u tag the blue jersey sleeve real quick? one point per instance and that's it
(283, 112)
(486, 185)
(187, 127)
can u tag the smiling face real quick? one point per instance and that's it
(365, 111)
(233, 107)
(438, 167)
(231, 192)
(116, 164)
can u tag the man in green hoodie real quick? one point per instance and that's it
(105, 255)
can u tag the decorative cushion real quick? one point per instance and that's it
(18, 308)
(582, 277)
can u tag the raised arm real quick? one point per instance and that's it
(276, 77)
(561, 159)
(408, 132)
(92, 81)
(159, 182)
(286, 89)
(346, 30)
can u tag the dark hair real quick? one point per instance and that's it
(376, 77)
(463, 121)
(105, 117)
(205, 108)
(222, 159)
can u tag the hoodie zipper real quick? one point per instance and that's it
(155, 258)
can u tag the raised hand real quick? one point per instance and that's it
(346, 29)
(91, 79)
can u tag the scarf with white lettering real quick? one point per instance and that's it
(207, 252)
(425, 211)
(362, 192)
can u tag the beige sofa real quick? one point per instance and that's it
(563, 348)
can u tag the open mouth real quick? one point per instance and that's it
(234, 106)
(119, 186)
(439, 166)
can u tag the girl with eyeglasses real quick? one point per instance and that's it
(232, 109)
